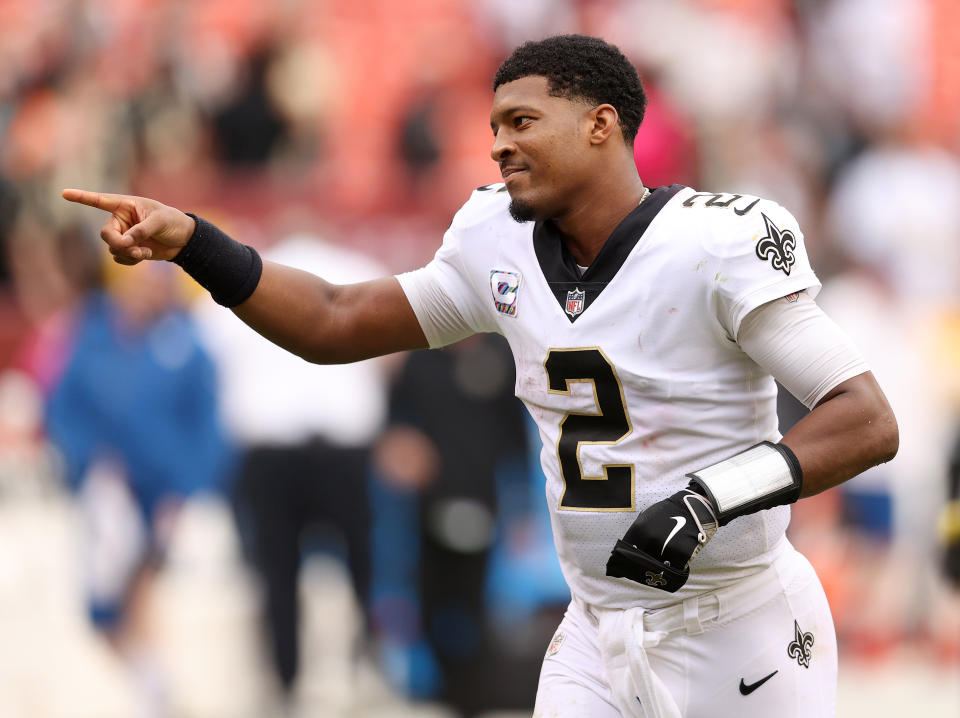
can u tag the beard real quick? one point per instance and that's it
(522, 211)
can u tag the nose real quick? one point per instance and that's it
(502, 147)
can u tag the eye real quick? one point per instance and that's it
(521, 120)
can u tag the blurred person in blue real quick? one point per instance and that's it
(648, 326)
(134, 415)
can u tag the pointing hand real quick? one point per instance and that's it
(138, 228)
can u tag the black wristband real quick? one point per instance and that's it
(227, 269)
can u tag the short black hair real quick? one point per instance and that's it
(578, 66)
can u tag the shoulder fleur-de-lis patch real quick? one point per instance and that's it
(799, 647)
(777, 246)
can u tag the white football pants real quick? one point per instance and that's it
(765, 646)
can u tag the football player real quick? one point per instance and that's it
(647, 326)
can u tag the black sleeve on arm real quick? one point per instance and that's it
(227, 269)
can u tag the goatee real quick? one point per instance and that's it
(521, 211)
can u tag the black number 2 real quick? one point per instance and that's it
(610, 425)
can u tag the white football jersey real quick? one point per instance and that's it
(630, 369)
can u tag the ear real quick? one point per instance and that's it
(604, 121)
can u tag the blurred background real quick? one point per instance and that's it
(193, 524)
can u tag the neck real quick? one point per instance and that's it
(588, 224)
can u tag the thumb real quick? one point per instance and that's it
(150, 228)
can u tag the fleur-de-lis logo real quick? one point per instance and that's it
(799, 647)
(655, 579)
(777, 246)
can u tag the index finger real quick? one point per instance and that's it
(100, 200)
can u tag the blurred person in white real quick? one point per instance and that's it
(306, 433)
(712, 63)
(647, 326)
(894, 208)
(866, 60)
(709, 60)
(894, 212)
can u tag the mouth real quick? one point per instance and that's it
(508, 172)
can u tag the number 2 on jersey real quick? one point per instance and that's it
(610, 425)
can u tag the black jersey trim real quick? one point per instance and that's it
(560, 269)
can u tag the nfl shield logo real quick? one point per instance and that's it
(555, 643)
(574, 302)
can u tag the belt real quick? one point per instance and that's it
(626, 635)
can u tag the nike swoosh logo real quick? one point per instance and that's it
(746, 690)
(681, 522)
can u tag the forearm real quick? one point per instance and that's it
(330, 324)
(851, 427)
(850, 430)
(322, 322)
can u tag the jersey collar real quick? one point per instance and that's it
(560, 269)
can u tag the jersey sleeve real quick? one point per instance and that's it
(442, 295)
(801, 347)
(760, 256)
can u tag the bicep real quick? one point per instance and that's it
(377, 318)
(327, 323)
(801, 347)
